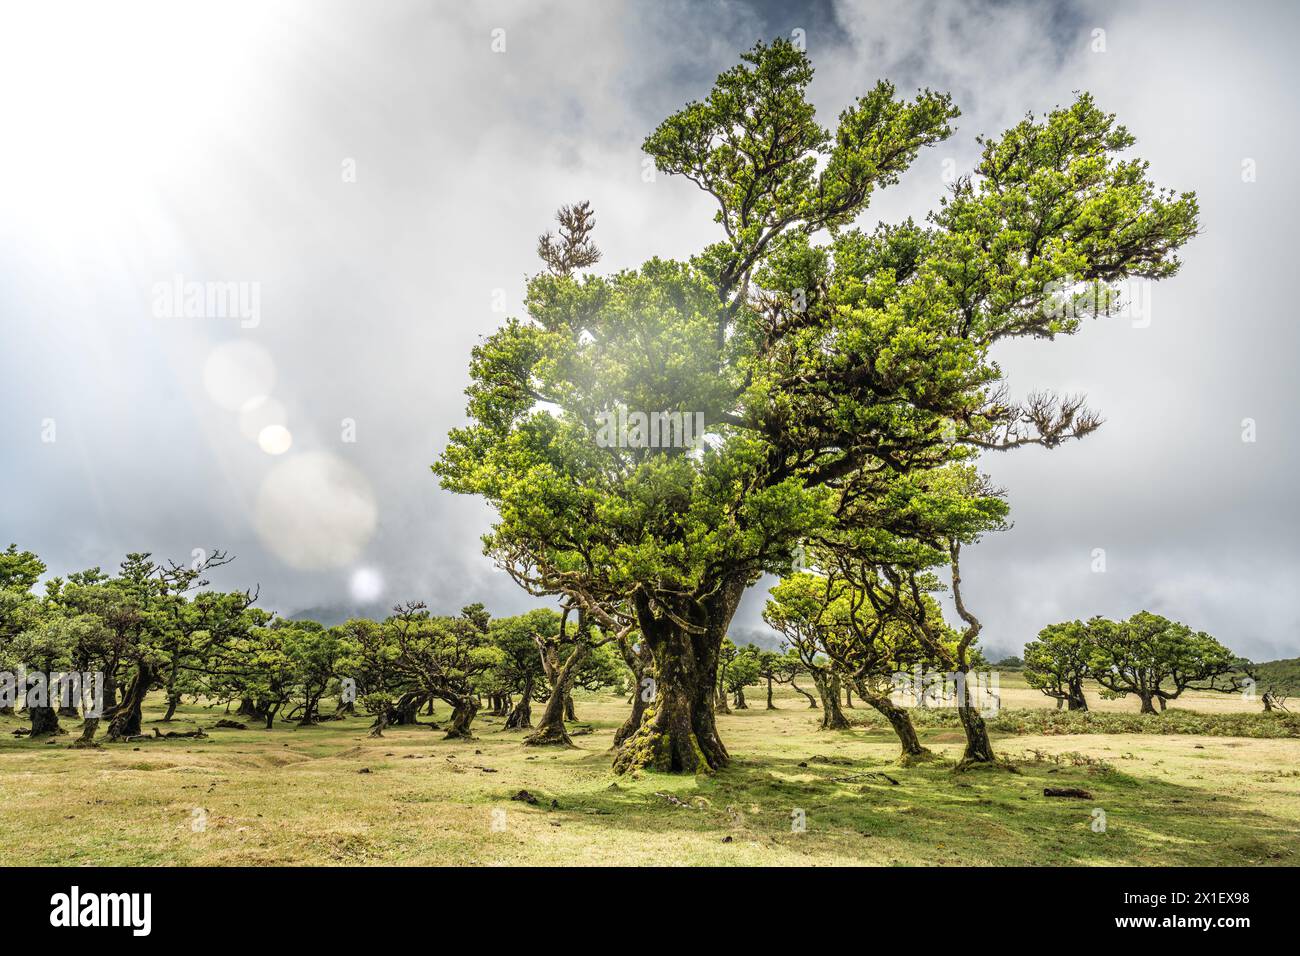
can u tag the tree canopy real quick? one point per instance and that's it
(820, 357)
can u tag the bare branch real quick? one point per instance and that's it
(573, 249)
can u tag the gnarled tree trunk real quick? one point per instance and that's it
(812, 701)
(110, 688)
(407, 709)
(641, 663)
(522, 714)
(634, 719)
(559, 705)
(550, 729)
(126, 718)
(45, 721)
(1076, 699)
(679, 733)
(462, 715)
(828, 688)
(898, 719)
(979, 749)
(87, 738)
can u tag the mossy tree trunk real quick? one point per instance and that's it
(679, 733)
(126, 718)
(828, 688)
(45, 721)
(1076, 699)
(642, 666)
(979, 749)
(521, 716)
(899, 720)
(550, 729)
(464, 709)
(639, 705)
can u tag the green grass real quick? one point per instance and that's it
(297, 796)
(1050, 722)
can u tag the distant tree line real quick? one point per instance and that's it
(1149, 656)
(156, 627)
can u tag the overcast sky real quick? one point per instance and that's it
(374, 176)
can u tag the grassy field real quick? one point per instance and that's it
(331, 795)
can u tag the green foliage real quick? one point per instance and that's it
(601, 667)
(1058, 662)
(1281, 675)
(743, 670)
(520, 640)
(829, 623)
(19, 570)
(1151, 656)
(1147, 655)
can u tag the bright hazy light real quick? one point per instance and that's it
(366, 585)
(239, 375)
(274, 439)
(100, 102)
(316, 511)
(259, 414)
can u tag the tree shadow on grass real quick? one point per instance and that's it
(876, 810)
